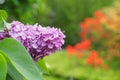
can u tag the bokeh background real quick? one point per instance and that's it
(92, 28)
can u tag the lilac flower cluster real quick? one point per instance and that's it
(39, 41)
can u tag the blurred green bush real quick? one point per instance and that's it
(65, 14)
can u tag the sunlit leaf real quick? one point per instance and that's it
(20, 59)
(3, 67)
(3, 15)
(42, 66)
(6, 24)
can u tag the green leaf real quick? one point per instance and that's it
(20, 59)
(6, 24)
(42, 66)
(8, 77)
(13, 72)
(3, 67)
(3, 15)
(1, 26)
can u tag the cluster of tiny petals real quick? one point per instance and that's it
(4, 34)
(1, 35)
(39, 41)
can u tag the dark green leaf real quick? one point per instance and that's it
(8, 77)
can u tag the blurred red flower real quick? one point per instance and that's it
(83, 45)
(94, 59)
(98, 14)
(71, 50)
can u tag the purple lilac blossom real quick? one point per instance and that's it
(39, 41)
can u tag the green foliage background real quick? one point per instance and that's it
(66, 68)
(65, 14)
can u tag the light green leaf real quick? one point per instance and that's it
(1, 26)
(13, 72)
(20, 59)
(42, 66)
(3, 15)
(6, 24)
(3, 67)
